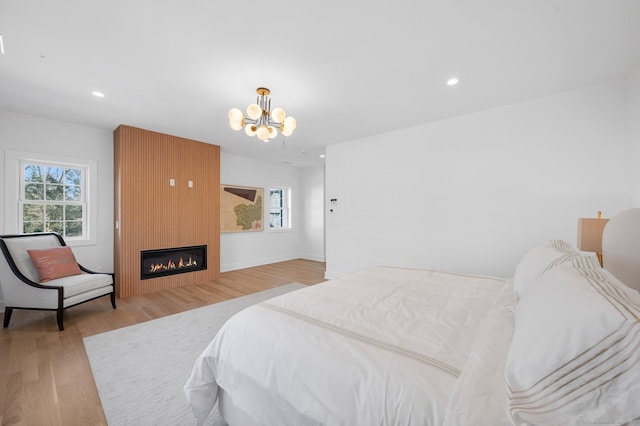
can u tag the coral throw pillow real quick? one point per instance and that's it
(54, 263)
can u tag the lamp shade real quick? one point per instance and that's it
(236, 125)
(263, 133)
(278, 115)
(590, 234)
(254, 111)
(290, 123)
(235, 115)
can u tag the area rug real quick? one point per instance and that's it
(140, 371)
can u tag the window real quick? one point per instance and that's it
(51, 192)
(53, 198)
(280, 208)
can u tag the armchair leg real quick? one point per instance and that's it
(7, 316)
(113, 299)
(60, 312)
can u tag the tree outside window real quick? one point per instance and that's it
(53, 199)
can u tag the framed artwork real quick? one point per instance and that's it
(241, 208)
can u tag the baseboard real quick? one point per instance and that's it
(312, 257)
(259, 262)
(330, 275)
(256, 262)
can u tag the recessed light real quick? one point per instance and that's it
(321, 155)
(97, 94)
(452, 81)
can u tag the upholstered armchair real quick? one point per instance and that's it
(38, 271)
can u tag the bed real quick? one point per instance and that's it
(559, 343)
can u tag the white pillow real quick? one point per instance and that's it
(538, 260)
(575, 353)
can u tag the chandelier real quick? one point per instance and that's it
(261, 120)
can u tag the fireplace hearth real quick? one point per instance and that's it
(171, 261)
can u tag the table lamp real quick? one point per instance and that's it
(590, 235)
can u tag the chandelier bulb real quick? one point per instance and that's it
(291, 123)
(250, 130)
(235, 114)
(254, 111)
(236, 125)
(278, 115)
(263, 132)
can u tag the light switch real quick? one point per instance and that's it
(172, 182)
(190, 184)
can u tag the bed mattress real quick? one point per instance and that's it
(379, 346)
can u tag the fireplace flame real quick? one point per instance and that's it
(157, 267)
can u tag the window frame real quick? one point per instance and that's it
(83, 202)
(15, 186)
(288, 208)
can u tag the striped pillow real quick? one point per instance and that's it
(54, 263)
(575, 353)
(538, 260)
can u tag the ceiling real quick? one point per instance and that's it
(344, 69)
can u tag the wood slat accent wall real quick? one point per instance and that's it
(150, 214)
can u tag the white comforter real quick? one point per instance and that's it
(384, 346)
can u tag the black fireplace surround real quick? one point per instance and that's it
(171, 261)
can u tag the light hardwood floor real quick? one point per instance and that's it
(45, 378)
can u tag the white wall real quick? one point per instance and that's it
(32, 134)
(20, 132)
(312, 197)
(634, 130)
(473, 193)
(246, 249)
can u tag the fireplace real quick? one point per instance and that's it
(171, 261)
